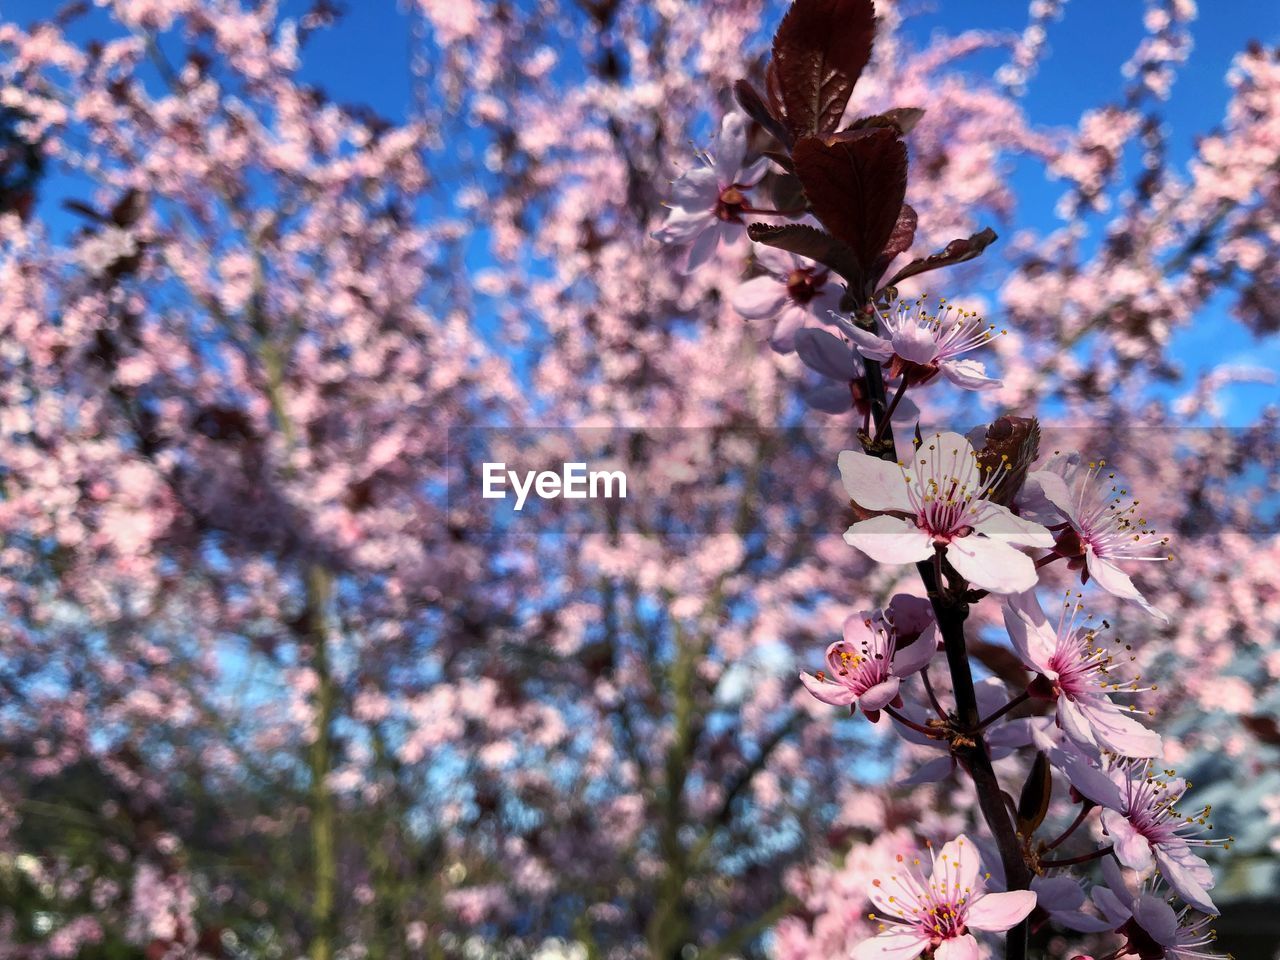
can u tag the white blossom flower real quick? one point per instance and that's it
(936, 501)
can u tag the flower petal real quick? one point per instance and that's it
(894, 944)
(958, 948)
(1187, 874)
(917, 655)
(968, 374)
(1131, 847)
(872, 483)
(1157, 918)
(998, 912)
(1001, 523)
(829, 397)
(828, 355)
(702, 248)
(1117, 583)
(1086, 778)
(879, 696)
(868, 344)
(1058, 893)
(933, 771)
(731, 147)
(682, 227)
(1035, 642)
(836, 694)
(777, 261)
(791, 320)
(696, 191)
(890, 540)
(1055, 490)
(1113, 729)
(956, 869)
(760, 298)
(991, 564)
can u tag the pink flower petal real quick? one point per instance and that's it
(998, 912)
(958, 948)
(968, 374)
(880, 695)
(696, 191)
(1157, 918)
(890, 540)
(958, 865)
(1117, 583)
(1113, 729)
(702, 248)
(760, 298)
(992, 565)
(1188, 874)
(872, 483)
(731, 147)
(932, 772)
(893, 944)
(1034, 642)
(917, 655)
(836, 694)
(868, 344)
(1131, 847)
(778, 262)
(791, 321)
(828, 355)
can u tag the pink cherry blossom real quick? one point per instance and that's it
(1148, 831)
(1062, 898)
(919, 345)
(782, 300)
(918, 913)
(1075, 671)
(1150, 923)
(867, 667)
(936, 502)
(708, 202)
(1102, 525)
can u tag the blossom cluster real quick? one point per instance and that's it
(979, 517)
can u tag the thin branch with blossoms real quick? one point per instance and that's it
(971, 515)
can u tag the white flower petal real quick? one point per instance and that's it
(836, 694)
(1187, 874)
(998, 912)
(1001, 523)
(968, 374)
(731, 147)
(958, 865)
(1131, 847)
(868, 344)
(1113, 729)
(890, 540)
(1117, 583)
(872, 483)
(902, 943)
(958, 948)
(760, 298)
(916, 656)
(696, 191)
(991, 565)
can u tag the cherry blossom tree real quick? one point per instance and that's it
(276, 681)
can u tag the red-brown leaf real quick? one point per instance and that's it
(819, 52)
(855, 185)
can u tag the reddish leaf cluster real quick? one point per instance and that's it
(854, 178)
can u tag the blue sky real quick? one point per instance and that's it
(366, 59)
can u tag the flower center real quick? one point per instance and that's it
(804, 283)
(944, 922)
(732, 203)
